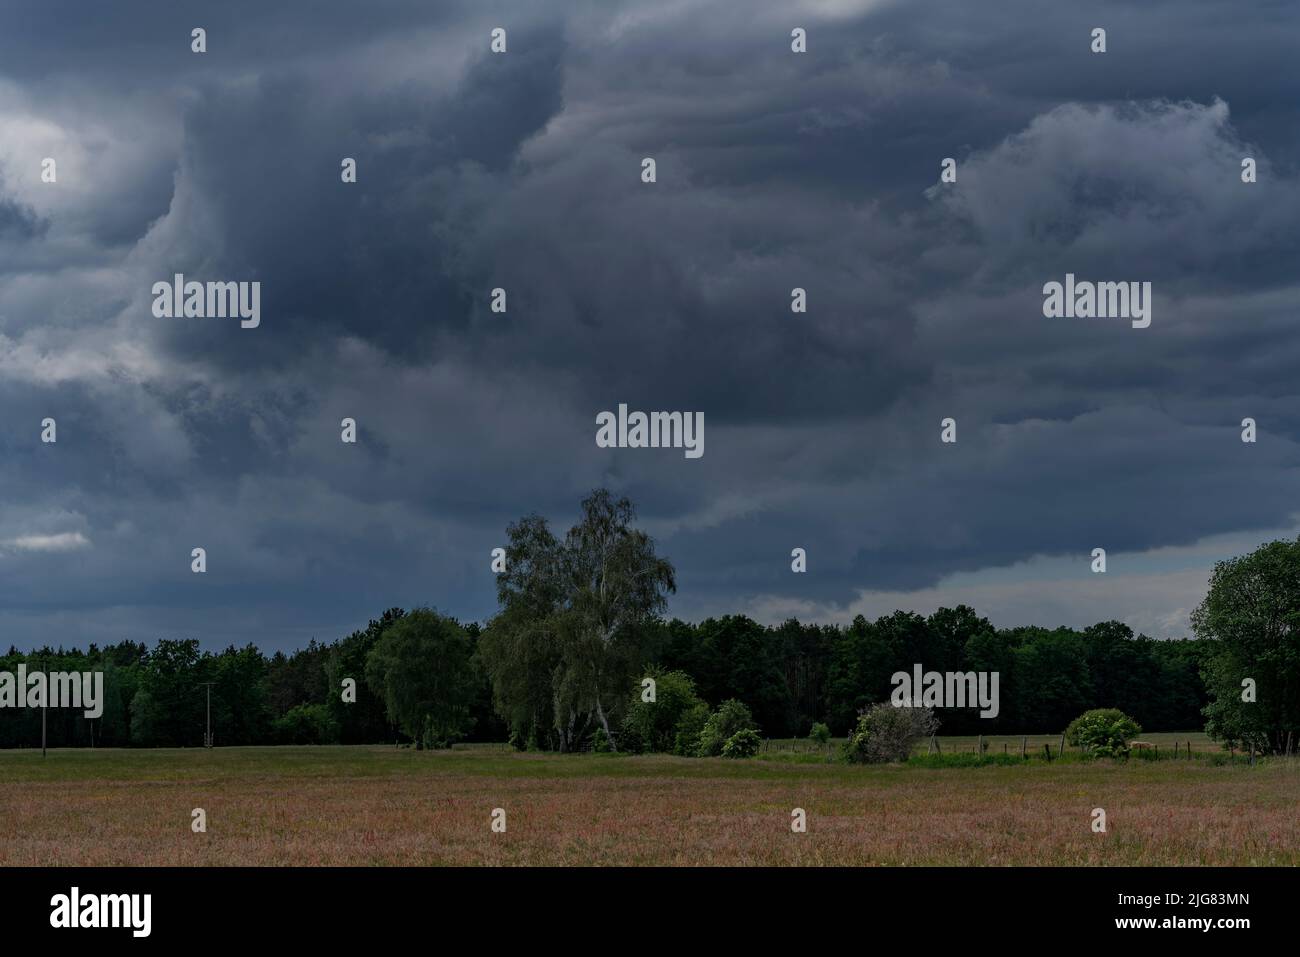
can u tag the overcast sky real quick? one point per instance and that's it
(522, 170)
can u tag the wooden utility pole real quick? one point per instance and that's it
(207, 737)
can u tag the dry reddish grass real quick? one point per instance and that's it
(336, 806)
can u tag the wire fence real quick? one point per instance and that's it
(1036, 747)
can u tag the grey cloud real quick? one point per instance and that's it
(522, 171)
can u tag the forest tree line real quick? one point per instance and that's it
(790, 675)
(580, 627)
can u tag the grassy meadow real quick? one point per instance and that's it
(387, 806)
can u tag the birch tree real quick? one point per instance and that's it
(576, 606)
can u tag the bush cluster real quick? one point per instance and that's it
(677, 721)
(1103, 732)
(886, 733)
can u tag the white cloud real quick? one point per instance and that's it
(61, 542)
(1153, 592)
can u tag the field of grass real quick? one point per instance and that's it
(376, 805)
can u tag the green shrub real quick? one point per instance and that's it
(1103, 732)
(306, 724)
(820, 733)
(731, 716)
(686, 736)
(887, 733)
(629, 741)
(653, 725)
(742, 744)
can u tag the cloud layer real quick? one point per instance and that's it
(775, 170)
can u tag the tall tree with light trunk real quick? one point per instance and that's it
(579, 603)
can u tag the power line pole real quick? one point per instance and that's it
(45, 701)
(207, 738)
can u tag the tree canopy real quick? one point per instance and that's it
(1251, 619)
(571, 631)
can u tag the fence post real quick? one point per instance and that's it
(1062, 748)
(979, 746)
(1047, 750)
(1024, 743)
(930, 749)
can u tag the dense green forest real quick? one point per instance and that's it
(580, 627)
(789, 675)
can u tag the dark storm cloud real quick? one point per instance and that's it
(133, 44)
(523, 171)
(18, 222)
